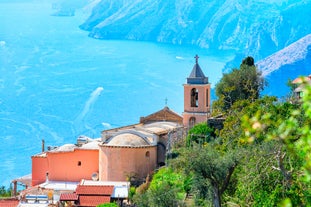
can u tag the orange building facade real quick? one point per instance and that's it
(67, 163)
(135, 150)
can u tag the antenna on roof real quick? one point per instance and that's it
(42, 145)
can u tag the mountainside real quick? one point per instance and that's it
(255, 27)
(299, 51)
(287, 64)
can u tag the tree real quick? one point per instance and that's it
(232, 133)
(167, 188)
(268, 172)
(200, 133)
(248, 61)
(288, 127)
(212, 170)
(4, 192)
(243, 83)
(260, 158)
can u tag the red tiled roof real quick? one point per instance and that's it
(68, 197)
(94, 190)
(93, 200)
(8, 202)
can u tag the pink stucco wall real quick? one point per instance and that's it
(204, 93)
(198, 118)
(118, 162)
(65, 166)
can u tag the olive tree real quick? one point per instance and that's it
(241, 83)
(211, 169)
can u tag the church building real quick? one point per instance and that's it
(133, 151)
(197, 92)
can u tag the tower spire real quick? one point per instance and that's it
(197, 76)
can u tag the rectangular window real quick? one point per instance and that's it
(207, 94)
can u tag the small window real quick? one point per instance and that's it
(147, 154)
(79, 163)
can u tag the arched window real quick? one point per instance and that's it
(194, 97)
(191, 122)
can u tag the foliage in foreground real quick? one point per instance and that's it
(5, 192)
(262, 156)
(200, 134)
(293, 132)
(167, 188)
(259, 168)
(108, 205)
(211, 170)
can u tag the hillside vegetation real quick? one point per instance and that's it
(261, 157)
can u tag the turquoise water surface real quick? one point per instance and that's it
(56, 83)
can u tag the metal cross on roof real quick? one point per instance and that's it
(196, 58)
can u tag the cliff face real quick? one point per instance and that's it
(257, 28)
(287, 64)
(298, 52)
(253, 27)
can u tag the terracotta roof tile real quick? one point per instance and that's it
(94, 190)
(93, 200)
(68, 197)
(8, 202)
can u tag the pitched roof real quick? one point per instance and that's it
(68, 197)
(94, 190)
(197, 76)
(196, 72)
(164, 114)
(93, 200)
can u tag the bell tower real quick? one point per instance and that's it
(197, 92)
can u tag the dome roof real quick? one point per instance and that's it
(90, 145)
(65, 148)
(128, 139)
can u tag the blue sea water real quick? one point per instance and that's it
(56, 83)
